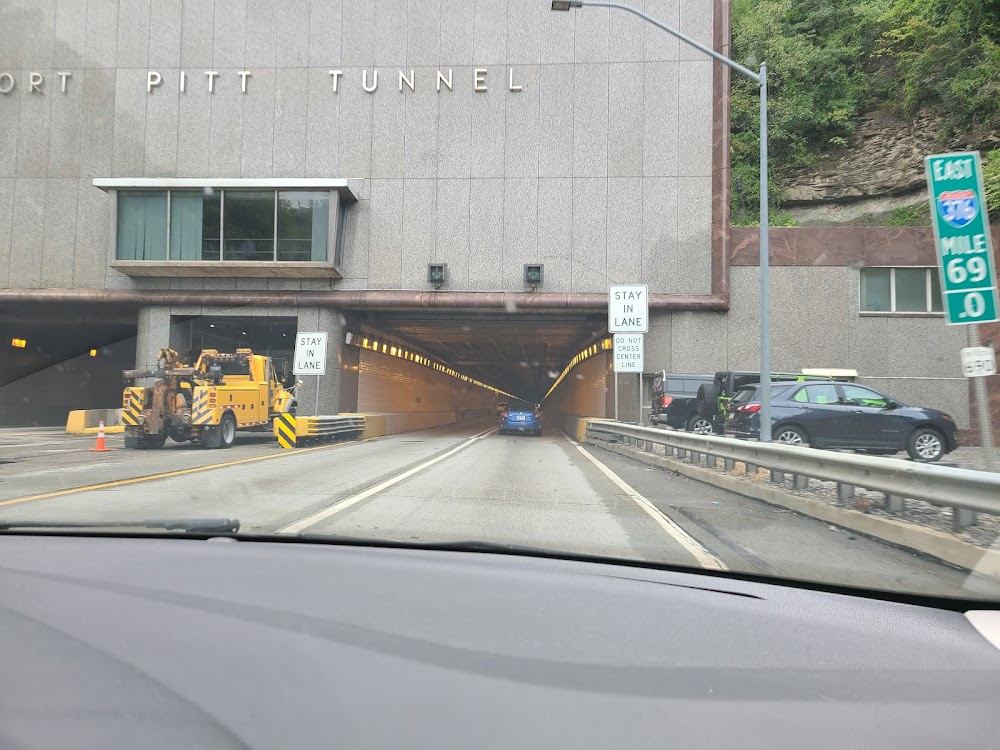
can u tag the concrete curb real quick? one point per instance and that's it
(115, 429)
(900, 533)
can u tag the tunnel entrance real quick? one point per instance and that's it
(56, 358)
(522, 354)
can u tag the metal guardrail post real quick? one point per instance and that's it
(845, 491)
(729, 464)
(800, 481)
(962, 518)
(777, 477)
(895, 504)
(751, 469)
(712, 462)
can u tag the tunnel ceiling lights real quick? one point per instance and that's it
(402, 353)
(605, 345)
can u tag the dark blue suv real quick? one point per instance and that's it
(520, 417)
(843, 415)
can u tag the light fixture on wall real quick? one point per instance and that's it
(534, 275)
(437, 274)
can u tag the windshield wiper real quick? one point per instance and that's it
(187, 525)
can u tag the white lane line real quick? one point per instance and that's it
(705, 558)
(310, 520)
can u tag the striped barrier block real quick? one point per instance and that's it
(285, 430)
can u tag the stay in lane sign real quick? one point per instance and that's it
(962, 235)
(628, 352)
(310, 354)
(628, 309)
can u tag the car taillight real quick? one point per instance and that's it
(666, 400)
(749, 408)
(503, 415)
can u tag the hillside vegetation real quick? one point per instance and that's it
(830, 61)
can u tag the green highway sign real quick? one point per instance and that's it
(962, 236)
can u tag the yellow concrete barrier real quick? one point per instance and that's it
(86, 421)
(76, 422)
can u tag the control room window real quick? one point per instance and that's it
(248, 225)
(900, 290)
(142, 225)
(226, 225)
(303, 225)
(195, 230)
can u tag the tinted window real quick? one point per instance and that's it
(858, 396)
(825, 393)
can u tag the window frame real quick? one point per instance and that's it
(892, 311)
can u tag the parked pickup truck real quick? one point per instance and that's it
(675, 402)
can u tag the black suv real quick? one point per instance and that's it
(675, 401)
(713, 398)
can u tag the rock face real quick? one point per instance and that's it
(885, 157)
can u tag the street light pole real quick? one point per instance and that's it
(761, 80)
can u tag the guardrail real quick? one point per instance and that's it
(292, 431)
(965, 491)
(326, 427)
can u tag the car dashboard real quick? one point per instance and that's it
(128, 642)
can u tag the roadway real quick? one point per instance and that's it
(452, 484)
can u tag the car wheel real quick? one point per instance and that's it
(227, 430)
(791, 436)
(925, 444)
(699, 425)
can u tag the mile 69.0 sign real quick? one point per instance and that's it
(962, 236)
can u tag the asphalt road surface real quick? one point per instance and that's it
(460, 483)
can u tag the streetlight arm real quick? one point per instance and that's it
(683, 37)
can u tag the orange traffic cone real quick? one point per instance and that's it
(100, 447)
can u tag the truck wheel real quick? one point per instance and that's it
(699, 425)
(707, 402)
(211, 438)
(155, 441)
(227, 430)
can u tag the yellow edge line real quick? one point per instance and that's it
(179, 472)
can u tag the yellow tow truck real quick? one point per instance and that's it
(206, 402)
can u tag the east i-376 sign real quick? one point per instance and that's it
(962, 236)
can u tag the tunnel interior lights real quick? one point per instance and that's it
(364, 342)
(605, 345)
(19, 343)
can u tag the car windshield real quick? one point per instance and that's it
(495, 274)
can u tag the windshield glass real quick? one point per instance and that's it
(426, 273)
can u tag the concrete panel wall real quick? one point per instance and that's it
(584, 391)
(514, 176)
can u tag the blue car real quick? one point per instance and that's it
(521, 417)
(844, 416)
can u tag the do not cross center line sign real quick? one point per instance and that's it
(310, 354)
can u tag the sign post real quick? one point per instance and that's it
(310, 357)
(965, 259)
(628, 313)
